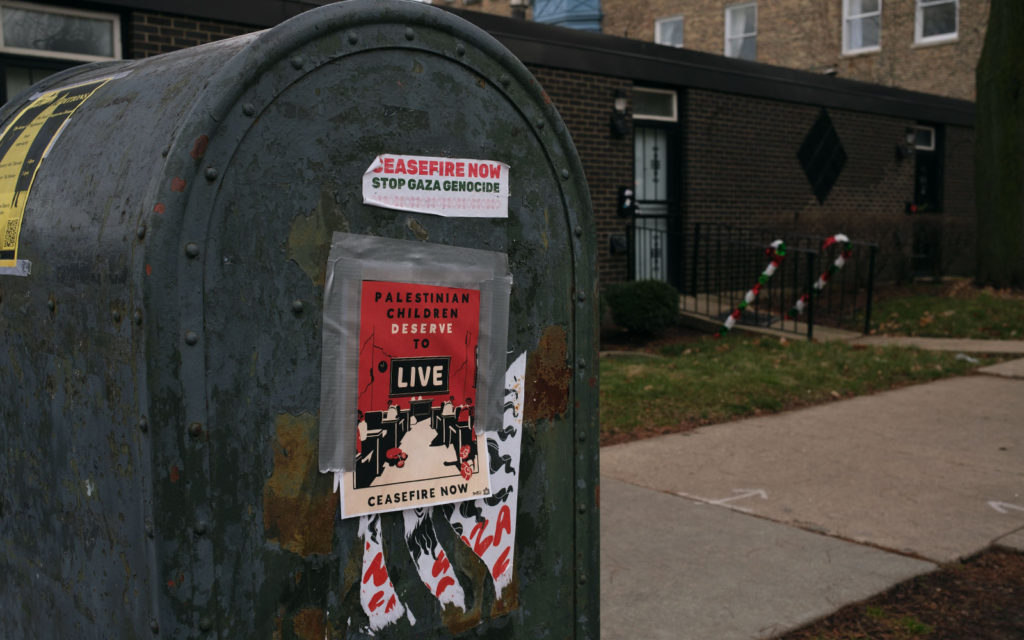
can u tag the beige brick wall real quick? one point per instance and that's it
(635, 19)
(781, 25)
(495, 7)
(944, 69)
(807, 35)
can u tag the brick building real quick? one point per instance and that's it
(726, 135)
(930, 46)
(700, 137)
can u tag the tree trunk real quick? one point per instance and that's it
(999, 154)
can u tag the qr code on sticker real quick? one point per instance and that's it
(11, 233)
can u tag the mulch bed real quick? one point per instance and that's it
(979, 599)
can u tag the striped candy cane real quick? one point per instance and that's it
(837, 264)
(777, 252)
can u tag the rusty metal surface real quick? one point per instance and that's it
(158, 476)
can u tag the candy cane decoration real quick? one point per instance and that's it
(837, 264)
(777, 252)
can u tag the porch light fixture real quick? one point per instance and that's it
(905, 149)
(619, 122)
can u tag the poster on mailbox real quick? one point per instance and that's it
(415, 433)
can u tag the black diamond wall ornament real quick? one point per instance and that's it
(822, 156)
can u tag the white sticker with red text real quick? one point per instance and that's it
(451, 187)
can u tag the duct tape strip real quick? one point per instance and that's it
(20, 268)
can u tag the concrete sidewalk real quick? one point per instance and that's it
(749, 529)
(961, 345)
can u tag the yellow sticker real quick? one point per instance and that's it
(23, 145)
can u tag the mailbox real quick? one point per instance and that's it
(176, 234)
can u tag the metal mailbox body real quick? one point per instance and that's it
(161, 378)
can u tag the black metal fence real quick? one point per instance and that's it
(713, 266)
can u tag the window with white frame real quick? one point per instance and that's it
(936, 21)
(655, 104)
(922, 137)
(741, 31)
(55, 32)
(862, 26)
(669, 31)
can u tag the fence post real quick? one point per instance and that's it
(718, 266)
(811, 298)
(871, 289)
(631, 250)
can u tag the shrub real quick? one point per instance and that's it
(643, 307)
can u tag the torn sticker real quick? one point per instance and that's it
(377, 594)
(488, 525)
(432, 563)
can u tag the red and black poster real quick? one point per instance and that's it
(415, 426)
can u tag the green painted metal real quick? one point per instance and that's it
(161, 379)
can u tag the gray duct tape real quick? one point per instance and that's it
(355, 259)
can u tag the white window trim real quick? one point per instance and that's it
(657, 30)
(113, 18)
(668, 92)
(924, 147)
(728, 23)
(847, 18)
(919, 23)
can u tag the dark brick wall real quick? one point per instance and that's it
(742, 168)
(739, 166)
(585, 103)
(151, 34)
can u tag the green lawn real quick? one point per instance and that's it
(713, 380)
(950, 311)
